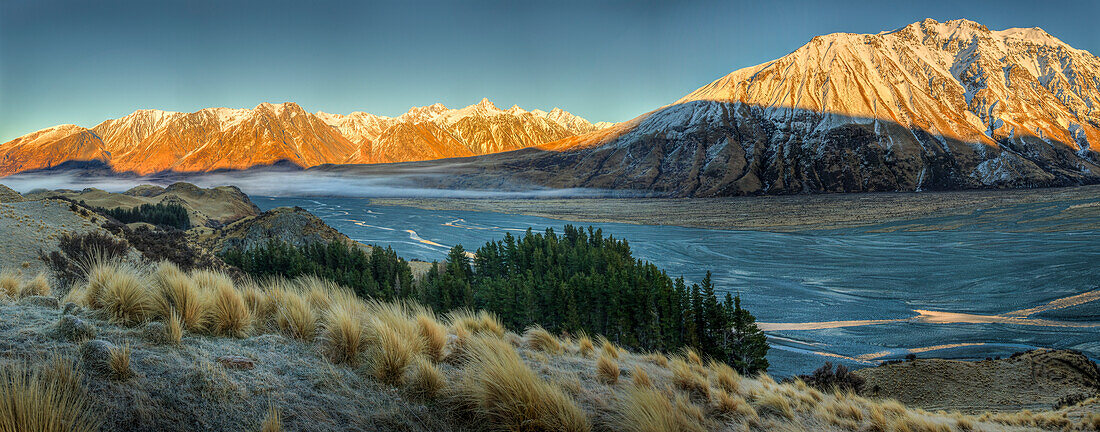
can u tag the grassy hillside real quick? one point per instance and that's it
(156, 348)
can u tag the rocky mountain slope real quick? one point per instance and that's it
(929, 106)
(151, 141)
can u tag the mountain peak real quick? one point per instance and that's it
(485, 103)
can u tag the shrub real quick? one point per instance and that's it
(170, 245)
(229, 315)
(273, 421)
(44, 401)
(538, 339)
(425, 381)
(643, 409)
(500, 389)
(79, 252)
(124, 296)
(827, 379)
(342, 335)
(607, 370)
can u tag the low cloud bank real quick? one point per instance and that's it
(301, 183)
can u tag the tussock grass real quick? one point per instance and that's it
(176, 291)
(692, 357)
(119, 362)
(640, 378)
(607, 370)
(391, 352)
(725, 377)
(124, 295)
(733, 406)
(538, 339)
(273, 421)
(342, 334)
(657, 359)
(425, 381)
(609, 349)
(44, 401)
(294, 316)
(773, 403)
(476, 323)
(686, 378)
(229, 314)
(173, 328)
(434, 335)
(644, 409)
(39, 285)
(498, 387)
(584, 345)
(9, 284)
(259, 303)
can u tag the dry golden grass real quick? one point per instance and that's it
(425, 381)
(843, 413)
(37, 286)
(119, 362)
(644, 409)
(725, 377)
(476, 322)
(657, 359)
(273, 421)
(44, 401)
(640, 378)
(607, 370)
(584, 345)
(498, 387)
(686, 378)
(692, 357)
(774, 403)
(9, 284)
(229, 316)
(124, 297)
(390, 353)
(538, 339)
(173, 328)
(733, 406)
(294, 316)
(608, 349)
(259, 303)
(176, 291)
(434, 335)
(342, 335)
(99, 274)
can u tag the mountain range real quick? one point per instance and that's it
(929, 106)
(152, 141)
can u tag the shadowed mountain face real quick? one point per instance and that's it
(152, 141)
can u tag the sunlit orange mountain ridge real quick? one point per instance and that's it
(149, 141)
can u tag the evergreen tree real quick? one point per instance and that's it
(748, 346)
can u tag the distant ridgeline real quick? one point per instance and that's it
(577, 282)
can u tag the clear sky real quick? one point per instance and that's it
(83, 62)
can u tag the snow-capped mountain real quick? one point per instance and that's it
(150, 141)
(928, 106)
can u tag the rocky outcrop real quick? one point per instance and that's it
(293, 225)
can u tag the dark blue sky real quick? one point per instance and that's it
(85, 61)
